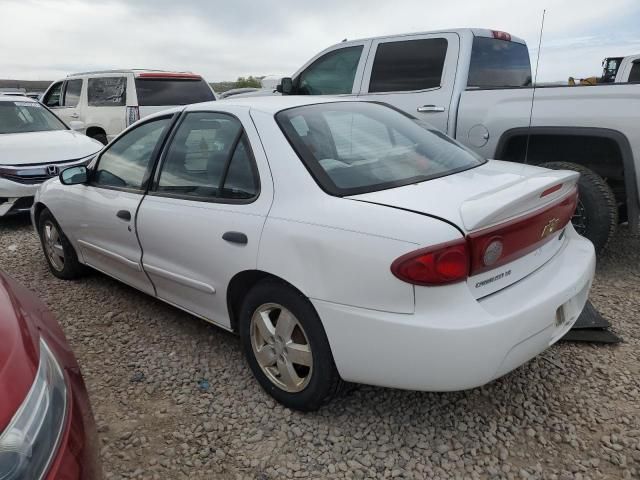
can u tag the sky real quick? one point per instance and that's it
(48, 39)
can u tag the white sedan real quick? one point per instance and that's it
(342, 240)
(34, 146)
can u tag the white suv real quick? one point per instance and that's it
(102, 104)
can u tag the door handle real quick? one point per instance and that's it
(430, 109)
(74, 115)
(124, 215)
(235, 237)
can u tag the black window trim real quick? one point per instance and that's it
(153, 185)
(325, 183)
(152, 161)
(400, 92)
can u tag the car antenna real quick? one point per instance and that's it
(535, 83)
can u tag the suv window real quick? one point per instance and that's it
(634, 75)
(107, 92)
(209, 158)
(331, 74)
(498, 63)
(126, 161)
(71, 95)
(52, 98)
(172, 91)
(408, 65)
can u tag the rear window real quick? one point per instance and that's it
(25, 117)
(172, 91)
(498, 63)
(408, 65)
(359, 147)
(107, 92)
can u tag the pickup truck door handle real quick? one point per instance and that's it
(74, 115)
(124, 215)
(235, 237)
(430, 109)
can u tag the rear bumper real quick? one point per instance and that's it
(455, 342)
(15, 196)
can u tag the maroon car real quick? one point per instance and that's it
(47, 429)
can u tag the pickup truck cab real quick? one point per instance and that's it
(476, 86)
(628, 70)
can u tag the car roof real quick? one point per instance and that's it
(476, 32)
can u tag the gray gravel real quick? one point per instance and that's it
(174, 398)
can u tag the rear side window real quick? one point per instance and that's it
(172, 91)
(209, 158)
(107, 92)
(634, 76)
(498, 63)
(72, 91)
(408, 65)
(331, 74)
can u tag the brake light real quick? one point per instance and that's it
(495, 246)
(549, 191)
(133, 115)
(501, 35)
(437, 265)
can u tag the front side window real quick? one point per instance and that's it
(24, 117)
(209, 158)
(359, 147)
(498, 63)
(408, 65)
(634, 75)
(332, 74)
(52, 99)
(72, 91)
(126, 163)
(107, 92)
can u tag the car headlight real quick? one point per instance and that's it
(29, 442)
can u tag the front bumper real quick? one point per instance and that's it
(455, 342)
(15, 197)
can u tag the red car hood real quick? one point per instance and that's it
(19, 350)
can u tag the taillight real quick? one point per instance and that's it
(495, 246)
(133, 115)
(501, 35)
(438, 265)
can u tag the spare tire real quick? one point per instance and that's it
(596, 216)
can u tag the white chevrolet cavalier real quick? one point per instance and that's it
(342, 240)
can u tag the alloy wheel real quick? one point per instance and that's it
(53, 245)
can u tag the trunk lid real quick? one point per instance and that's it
(535, 203)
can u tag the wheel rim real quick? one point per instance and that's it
(579, 219)
(281, 348)
(53, 245)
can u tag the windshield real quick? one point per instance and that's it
(24, 117)
(168, 91)
(498, 63)
(360, 147)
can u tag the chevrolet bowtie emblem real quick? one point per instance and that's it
(550, 227)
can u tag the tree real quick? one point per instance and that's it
(249, 81)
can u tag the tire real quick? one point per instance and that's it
(101, 137)
(596, 217)
(319, 381)
(58, 251)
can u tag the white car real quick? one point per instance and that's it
(34, 146)
(342, 240)
(105, 102)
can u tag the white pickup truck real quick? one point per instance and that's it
(475, 85)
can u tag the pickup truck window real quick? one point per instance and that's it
(408, 65)
(498, 63)
(634, 75)
(359, 147)
(331, 74)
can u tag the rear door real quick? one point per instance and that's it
(106, 103)
(105, 224)
(201, 222)
(156, 91)
(414, 73)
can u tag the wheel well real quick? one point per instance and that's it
(92, 131)
(37, 210)
(240, 285)
(600, 154)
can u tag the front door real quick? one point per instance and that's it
(201, 222)
(105, 230)
(414, 73)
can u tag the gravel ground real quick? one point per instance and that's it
(174, 398)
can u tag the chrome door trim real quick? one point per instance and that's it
(188, 282)
(114, 256)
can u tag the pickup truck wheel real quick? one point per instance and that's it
(596, 216)
(286, 346)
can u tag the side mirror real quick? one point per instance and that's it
(286, 86)
(76, 125)
(74, 175)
